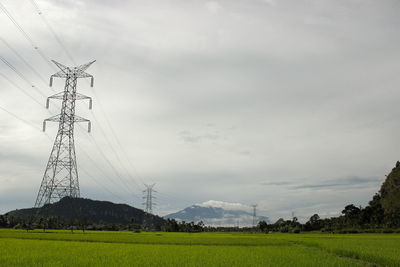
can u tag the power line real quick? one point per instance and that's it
(126, 155)
(101, 185)
(20, 88)
(24, 91)
(115, 152)
(19, 118)
(21, 75)
(41, 15)
(37, 128)
(97, 166)
(26, 80)
(87, 173)
(126, 187)
(26, 35)
(23, 60)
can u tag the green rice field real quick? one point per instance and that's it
(63, 248)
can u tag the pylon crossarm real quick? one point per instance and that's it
(59, 95)
(82, 74)
(84, 67)
(59, 74)
(55, 118)
(64, 69)
(81, 97)
(80, 119)
(86, 75)
(56, 96)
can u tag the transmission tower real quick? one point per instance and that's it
(254, 214)
(61, 175)
(149, 198)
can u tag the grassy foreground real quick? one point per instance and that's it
(62, 248)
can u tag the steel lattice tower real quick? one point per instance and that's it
(254, 214)
(149, 198)
(61, 175)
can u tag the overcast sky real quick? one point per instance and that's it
(290, 104)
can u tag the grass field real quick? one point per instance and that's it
(62, 248)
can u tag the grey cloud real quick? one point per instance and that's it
(187, 136)
(276, 183)
(344, 183)
(310, 87)
(328, 184)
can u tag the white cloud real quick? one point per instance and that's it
(224, 205)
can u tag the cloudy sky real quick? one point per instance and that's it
(289, 104)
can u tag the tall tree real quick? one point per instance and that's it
(390, 192)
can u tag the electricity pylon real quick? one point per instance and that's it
(149, 198)
(61, 175)
(254, 214)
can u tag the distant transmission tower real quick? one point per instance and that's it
(149, 198)
(254, 214)
(61, 175)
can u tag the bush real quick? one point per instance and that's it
(296, 230)
(371, 231)
(284, 229)
(348, 231)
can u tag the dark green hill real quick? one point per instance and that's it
(95, 211)
(390, 192)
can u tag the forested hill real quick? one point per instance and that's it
(390, 192)
(91, 210)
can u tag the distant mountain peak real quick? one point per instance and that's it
(217, 213)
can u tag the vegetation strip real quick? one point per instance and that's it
(151, 243)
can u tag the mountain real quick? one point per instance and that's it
(390, 192)
(217, 213)
(93, 210)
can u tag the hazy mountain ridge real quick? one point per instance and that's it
(217, 213)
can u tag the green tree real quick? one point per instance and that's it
(352, 215)
(262, 225)
(390, 192)
(3, 221)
